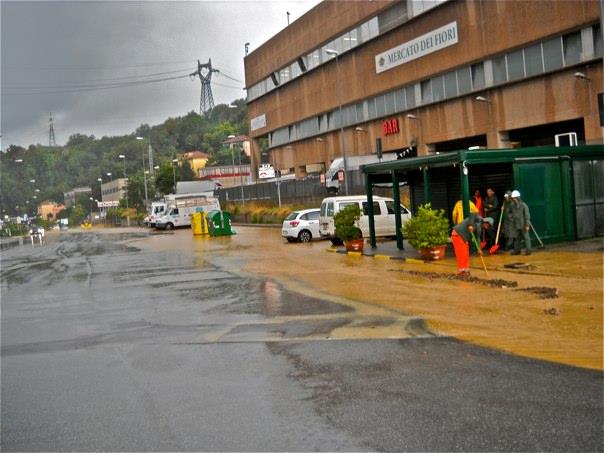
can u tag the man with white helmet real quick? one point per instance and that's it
(521, 223)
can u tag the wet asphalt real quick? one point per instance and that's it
(109, 347)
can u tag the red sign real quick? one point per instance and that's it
(390, 126)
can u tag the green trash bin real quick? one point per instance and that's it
(219, 223)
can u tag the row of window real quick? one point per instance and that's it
(543, 57)
(343, 43)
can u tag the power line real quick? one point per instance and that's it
(88, 83)
(229, 77)
(99, 87)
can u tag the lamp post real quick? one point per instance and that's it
(174, 161)
(232, 138)
(110, 176)
(338, 90)
(121, 156)
(150, 169)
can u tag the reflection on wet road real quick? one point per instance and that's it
(127, 342)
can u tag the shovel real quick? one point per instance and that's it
(536, 235)
(495, 247)
(484, 266)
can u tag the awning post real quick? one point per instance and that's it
(369, 186)
(396, 195)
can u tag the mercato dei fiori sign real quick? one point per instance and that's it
(416, 48)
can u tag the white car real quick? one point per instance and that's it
(301, 226)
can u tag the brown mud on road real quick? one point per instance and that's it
(551, 309)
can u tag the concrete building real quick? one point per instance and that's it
(425, 76)
(70, 198)
(114, 190)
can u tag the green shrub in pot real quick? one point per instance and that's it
(428, 228)
(345, 222)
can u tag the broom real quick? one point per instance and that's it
(495, 247)
(484, 266)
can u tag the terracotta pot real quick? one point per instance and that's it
(355, 245)
(433, 253)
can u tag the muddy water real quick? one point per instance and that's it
(565, 329)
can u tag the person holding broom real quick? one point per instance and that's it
(461, 236)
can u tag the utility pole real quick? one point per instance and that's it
(204, 72)
(51, 133)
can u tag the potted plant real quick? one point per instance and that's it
(428, 231)
(347, 228)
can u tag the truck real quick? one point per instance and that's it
(332, 183)
(157, 209)
(180, 208)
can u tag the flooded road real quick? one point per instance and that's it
(124, 341)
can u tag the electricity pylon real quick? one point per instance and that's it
(204, 71)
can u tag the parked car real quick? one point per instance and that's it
(301, 226)
(383, 215)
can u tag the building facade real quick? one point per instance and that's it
(348, 78)
(114, 190)
(70, 198)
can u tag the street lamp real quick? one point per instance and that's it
(110, 176)
(174, 161)
(338, 89)
(150, 168)
(121, 156)
(232, 138)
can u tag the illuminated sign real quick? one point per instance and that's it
(390, 126)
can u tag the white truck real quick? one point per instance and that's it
(352, 163)
(157, 209)
(180, 208)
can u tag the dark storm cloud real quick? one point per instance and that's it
(53, 48)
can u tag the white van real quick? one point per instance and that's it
(383, 215)
(180, 216)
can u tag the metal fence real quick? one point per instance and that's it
(292, 191)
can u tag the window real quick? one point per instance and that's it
(552, 54)
(399, 99)
(464, 80)
(533, 60)
(371, 109)
(572, 48)
(597, 34)
(389, 101)
(438, 89)
(410, 95)
(478, 76)
(376, 208)
(314, 215)
(350, 114)
(360, 113)
(329, 209)
(450, 84)
(426, 87)
(499, 71)
(380, 106)
(390, 208)
(515, 62)
(353, 38)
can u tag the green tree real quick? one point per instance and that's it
(164, 178)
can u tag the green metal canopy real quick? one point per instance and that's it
(527, 162)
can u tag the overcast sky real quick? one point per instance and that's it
(55, 56)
